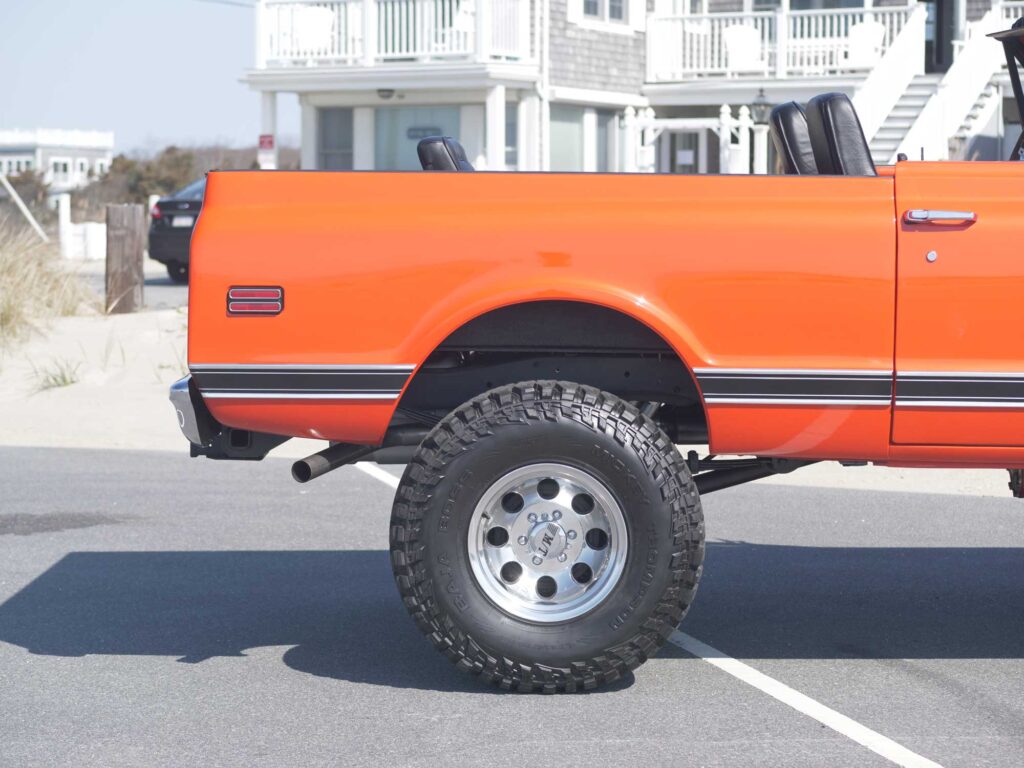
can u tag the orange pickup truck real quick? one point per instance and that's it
(535, 346)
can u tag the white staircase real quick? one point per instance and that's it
(980, 113)
(888, 138)
(962, 99)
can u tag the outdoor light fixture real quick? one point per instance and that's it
(387, 93)
(760, 108)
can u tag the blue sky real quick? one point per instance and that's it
(155, 72)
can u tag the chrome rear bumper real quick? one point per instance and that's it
(207, 436)
(194, 419)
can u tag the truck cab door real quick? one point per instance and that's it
(959, 304)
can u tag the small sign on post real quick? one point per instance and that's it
(126, 244)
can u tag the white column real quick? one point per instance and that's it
(545, 134)
(369, 32)
(614, 145)
(471, 133)
(629, 140)
(308, 148)
(742, 154)
(760, 135)
(528, 131)
(495, 125)
(725, 139)
(590, 139)
(647, 159)
(483, 29)
(267, 155)
(363, 137)
(781, 37)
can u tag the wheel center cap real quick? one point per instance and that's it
(547, 540)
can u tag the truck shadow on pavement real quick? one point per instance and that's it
(341, 616)
(340, 612)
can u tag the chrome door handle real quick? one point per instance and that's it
(920, 216)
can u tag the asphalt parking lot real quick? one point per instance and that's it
(156, 610)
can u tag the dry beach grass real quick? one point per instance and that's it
(34, 287)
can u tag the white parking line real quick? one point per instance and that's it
(375, 471)
(839, 723)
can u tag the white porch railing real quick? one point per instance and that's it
(1011, 11)
(368, 32)
(770, 43)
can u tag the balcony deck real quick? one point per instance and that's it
(379, 33)
(770, 44)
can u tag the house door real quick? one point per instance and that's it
(940, 27)
(397, 131)
(960, 305)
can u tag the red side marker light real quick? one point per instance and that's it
(255, 300)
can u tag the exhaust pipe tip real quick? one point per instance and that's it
(331, 457)
(301, 471)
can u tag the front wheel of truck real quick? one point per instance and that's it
(547, 537)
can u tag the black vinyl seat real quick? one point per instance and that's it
(792, 139)
(442, 153)
(837, 139)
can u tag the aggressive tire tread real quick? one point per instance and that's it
(549, 401)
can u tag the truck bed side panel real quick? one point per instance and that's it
(749, 274)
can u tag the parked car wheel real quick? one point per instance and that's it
(547, 537)
(177, 271)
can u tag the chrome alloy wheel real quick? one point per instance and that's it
(547, 542)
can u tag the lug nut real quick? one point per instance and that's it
(532, 517)
(562, 557)
(556, 515)
(522, 539)
(571, 535)
(537, 560)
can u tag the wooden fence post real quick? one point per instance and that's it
(126, 244)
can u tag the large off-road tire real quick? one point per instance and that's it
(547, 537)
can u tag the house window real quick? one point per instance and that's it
(334, 136)
(511, 135)
(398, 130)
(605, 10)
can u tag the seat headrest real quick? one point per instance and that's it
(837, 139)
(792, 139)
(442, 153)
